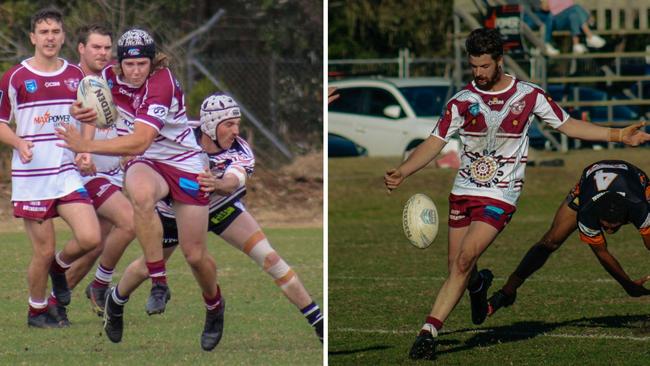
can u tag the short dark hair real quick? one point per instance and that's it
(484, 41)
(86, 30)
(50, 12)
(613, 208)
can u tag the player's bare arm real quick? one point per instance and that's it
(331, 96)
(132, 144)
(631, 135)
(423, 154)
(613, 267)
(24, 147)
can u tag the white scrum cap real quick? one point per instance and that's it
(215, 109)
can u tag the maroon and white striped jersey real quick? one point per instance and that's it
(159, 103)
(39, 102)
(493, 129)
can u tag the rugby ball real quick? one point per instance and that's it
(93, 92)
(420, 220)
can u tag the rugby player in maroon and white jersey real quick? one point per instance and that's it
(37, 94)
(167, 164)
(492, 115)
(102, 177)
(609, 194)
(231, 164)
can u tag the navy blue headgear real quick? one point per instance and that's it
(135, 43)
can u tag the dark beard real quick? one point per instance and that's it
(490, 83)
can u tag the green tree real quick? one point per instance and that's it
(367, 28)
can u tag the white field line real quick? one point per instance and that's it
(438, 278)
(478, 331)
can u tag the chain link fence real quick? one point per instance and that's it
(284, 95)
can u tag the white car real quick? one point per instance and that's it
(385, 116)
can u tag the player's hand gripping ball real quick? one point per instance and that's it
(93, 92)
(420, 220)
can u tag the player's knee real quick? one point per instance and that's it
(142, 202)
(194, 257)
(89, 240)
(464, 263)
(128, 227)
(45, 253)
(550, 243)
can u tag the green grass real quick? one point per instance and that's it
(262, 327)
(381, 288)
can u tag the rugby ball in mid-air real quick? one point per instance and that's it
(93, 92)
(420, 220)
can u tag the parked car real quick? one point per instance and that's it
(385, 116)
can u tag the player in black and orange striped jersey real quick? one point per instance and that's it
(610, 194)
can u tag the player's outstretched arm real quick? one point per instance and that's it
(135, 143)
(423, 154)
(631, 135)
(611, 265)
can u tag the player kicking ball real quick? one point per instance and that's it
(492, 115)
(609, 194)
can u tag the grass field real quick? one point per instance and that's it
(381, 288)
(262, 327)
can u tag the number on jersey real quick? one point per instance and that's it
(604, 179)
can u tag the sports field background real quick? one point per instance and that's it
(261, 326)
(381, 288)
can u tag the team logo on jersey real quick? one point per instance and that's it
(474, 109)
(495, 101)
(483, 169)
(157, 110)
(30, 85)
(518, 107)
(72, 84)
(136, 100)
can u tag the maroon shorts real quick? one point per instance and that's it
(183, 186)
(465, 209)
(46, 209)
(100, 189)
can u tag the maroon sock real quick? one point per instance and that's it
(56, 267)
(213, 304)
(34, 311)
(51, 300)
(434, 322)
(157, 272)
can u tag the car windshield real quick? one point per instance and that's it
(426, 101)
